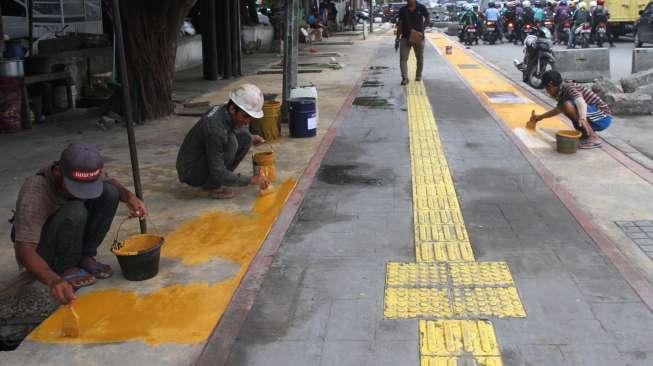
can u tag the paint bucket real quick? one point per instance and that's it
(268, 126)
(307, 90)
(448, 50)
(138, 255)
(263, 162)
(567, 141)
(303, 117)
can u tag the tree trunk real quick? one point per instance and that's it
(151, 30)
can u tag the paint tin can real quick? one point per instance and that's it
(448, 50)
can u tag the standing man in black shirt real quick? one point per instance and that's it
(410, 34)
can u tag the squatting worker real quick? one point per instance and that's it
(62, 215)
(586, 110)
(219, 141)
(411, 22)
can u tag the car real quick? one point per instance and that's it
(392, 11)
(644, 32)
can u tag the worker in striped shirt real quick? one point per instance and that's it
(581, 105)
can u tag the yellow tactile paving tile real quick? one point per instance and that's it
(416, 274)
(447, 252)
(426, 217)
(457, 338)
(406, 303)
(440, 233)
(481, 274)
(483, 302)
(458, 361)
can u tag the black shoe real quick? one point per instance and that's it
(418, 78)
(404, 81)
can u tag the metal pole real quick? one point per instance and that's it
(2, 34)
(371, 14)
(209, 43)
(289, 56)
(126, 99)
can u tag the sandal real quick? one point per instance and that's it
(80, 279)
(223, 194)
(99, 270)
(589, 145)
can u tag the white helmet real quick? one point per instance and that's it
(529, 41)
(249, 98)
(526, 4)
(592, 4)
(467, 6)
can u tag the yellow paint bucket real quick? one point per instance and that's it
(138, 255)
(264, 163)
(567, 141)
(268, 126)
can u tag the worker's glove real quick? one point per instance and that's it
(396, 44)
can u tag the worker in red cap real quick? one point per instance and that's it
(219, 141)
(63, 214)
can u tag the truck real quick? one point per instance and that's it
(623, 15)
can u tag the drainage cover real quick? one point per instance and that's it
(372, 102)
(640, 232)
(468, 66)
(505, 97)
(378, 67)
(371, 84)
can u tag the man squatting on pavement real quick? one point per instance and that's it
(411, 22)
(582, 106)
(62, 215)
(219, 141)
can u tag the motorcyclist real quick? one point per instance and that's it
(580, 17)
(479, 17)
(538, 12)
(527, 14)
(509, 16)
(550, 9)
(562, 14)
(601, 15)
(468, 18)
(492, 15)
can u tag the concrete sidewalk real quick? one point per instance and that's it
(168, 319)
(322, 303)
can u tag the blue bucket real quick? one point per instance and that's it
(303, 117)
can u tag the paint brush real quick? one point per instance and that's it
(268, 190)
(70, 322)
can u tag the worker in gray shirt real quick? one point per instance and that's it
(219, 141)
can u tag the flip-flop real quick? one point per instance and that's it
(223, 194)
(82, 273)
(589, 145)
(99, 270)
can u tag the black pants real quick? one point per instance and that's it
(76, 230)
(198, 175)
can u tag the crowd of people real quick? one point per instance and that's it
(563, 18)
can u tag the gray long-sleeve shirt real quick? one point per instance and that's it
(208, 151)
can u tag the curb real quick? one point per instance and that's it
(631, 274)
(218, 347)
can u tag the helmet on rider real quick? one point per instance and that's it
(467, 7)
(592, 4)
(562, 2)
(582, 5)
(526, 4)
(600, 2)
(490, 5)
(537, 3)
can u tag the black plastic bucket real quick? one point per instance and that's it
(141, 263)
(303, 117)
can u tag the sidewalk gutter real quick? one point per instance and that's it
(633, 276)
(218, 347)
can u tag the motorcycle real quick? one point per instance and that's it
(470, 35)
(601, 34)
(566, 31)
(583, 35)
(510, 31)
(491, 34)
(540, 58)
(548, 23)
(526, 30)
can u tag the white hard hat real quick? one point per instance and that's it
(592, 4)
(249, 98)
(467, 6)
(526, 4)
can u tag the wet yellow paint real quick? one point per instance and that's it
(136, 243)
(233, 236)
(482, 79)
(183, 314)
(176, 314)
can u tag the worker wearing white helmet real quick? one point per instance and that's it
(218, 142)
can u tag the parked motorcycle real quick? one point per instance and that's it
(583, 35)
(601, 34)
(540, 57)
(491, 33)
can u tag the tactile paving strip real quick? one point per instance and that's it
(405, 303)
(460, 361)
(451, 251)
(500, 302)
(416, 274)
(480, 274)
(457, 338)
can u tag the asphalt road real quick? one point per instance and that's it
(502, 55)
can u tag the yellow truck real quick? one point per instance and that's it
(624, 14)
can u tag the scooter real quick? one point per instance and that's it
(583, 35)
(470, 35)
(540, 58)
(566, 32)
(601, 34)
(526, 30)
(548, 23)
(510, 31)
(491, 34)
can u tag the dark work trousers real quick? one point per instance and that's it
(198, 176)
(76, 230)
